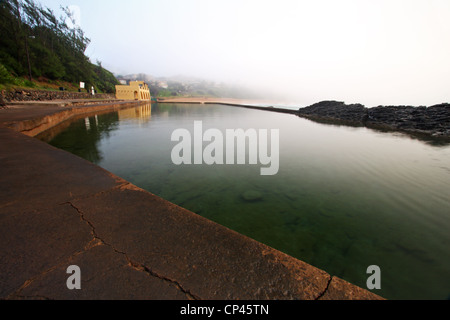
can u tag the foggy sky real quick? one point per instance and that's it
(389, 52)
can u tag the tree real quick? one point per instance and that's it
(35, 43)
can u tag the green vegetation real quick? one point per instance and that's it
(35, 45)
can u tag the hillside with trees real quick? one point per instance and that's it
(36, 45)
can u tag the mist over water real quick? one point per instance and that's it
(386, 52)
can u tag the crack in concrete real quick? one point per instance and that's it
(86, 221)
(136, 266)
(91, 244)
(28, 282)
(120, 185)
(143, 268)
(326, 289)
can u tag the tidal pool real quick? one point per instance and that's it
(344, 198)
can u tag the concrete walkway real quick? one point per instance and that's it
(58, 210)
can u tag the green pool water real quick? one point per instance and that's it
(344, 197)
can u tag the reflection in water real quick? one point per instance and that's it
(83, 137)
(423, 137)
(87, 124)
(345, 198)
(143, 113)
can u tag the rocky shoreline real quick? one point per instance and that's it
(433, 121)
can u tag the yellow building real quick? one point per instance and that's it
(136, 90)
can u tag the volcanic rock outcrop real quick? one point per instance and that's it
(433, 120)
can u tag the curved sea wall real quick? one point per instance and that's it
(433, 120)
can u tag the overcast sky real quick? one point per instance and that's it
(374, 52)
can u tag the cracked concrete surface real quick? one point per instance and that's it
(133, 264)
(58, 210)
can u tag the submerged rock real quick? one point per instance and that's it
(252, 196)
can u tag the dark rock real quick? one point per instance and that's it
(335, 111)
(252, 196)
(434, 120)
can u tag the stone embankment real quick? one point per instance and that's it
(43, 95)
(433, 120)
